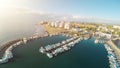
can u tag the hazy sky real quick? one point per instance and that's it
(108, 9)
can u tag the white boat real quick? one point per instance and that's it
(50, 55)
(42, 50)
(96, 41)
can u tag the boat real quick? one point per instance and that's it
(96, 41)
(50, 55)
(112, 57)
(42, 50)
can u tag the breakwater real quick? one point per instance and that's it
(8, 52)
(6, 49)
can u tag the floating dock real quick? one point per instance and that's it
(55, 49)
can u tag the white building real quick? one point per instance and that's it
(115, 26)
(76, 29)
(52, 24)
(109, 36)
(102, 28)
(25, 40)
(67, 25)
(56, 24)
(61, 24)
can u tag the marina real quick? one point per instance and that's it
(6, 51)
(84, 52)
(112, 50)
(53, 50)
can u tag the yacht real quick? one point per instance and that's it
(50, 55)
(96, 41)
(42, 50)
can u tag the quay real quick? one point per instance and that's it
(112, 57)
(116, 51)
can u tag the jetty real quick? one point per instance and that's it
(112, 57)
(116, 50)
(55, 49)
(7, 50)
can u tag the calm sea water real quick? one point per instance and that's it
(85, 54)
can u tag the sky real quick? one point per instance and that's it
(106, 9)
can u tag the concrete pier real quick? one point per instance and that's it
(55, 49)
(7, 52)
(116, 50)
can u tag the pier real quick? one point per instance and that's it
(116, 51)
(55, 49)
(7, 50)
(8, 44)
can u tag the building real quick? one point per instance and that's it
(56, 24)
(102, 28)
(77, 29)
(25, 40)
(52, 24)
(105, 35)
(116, 27)
(61, 24)
(67, 25)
